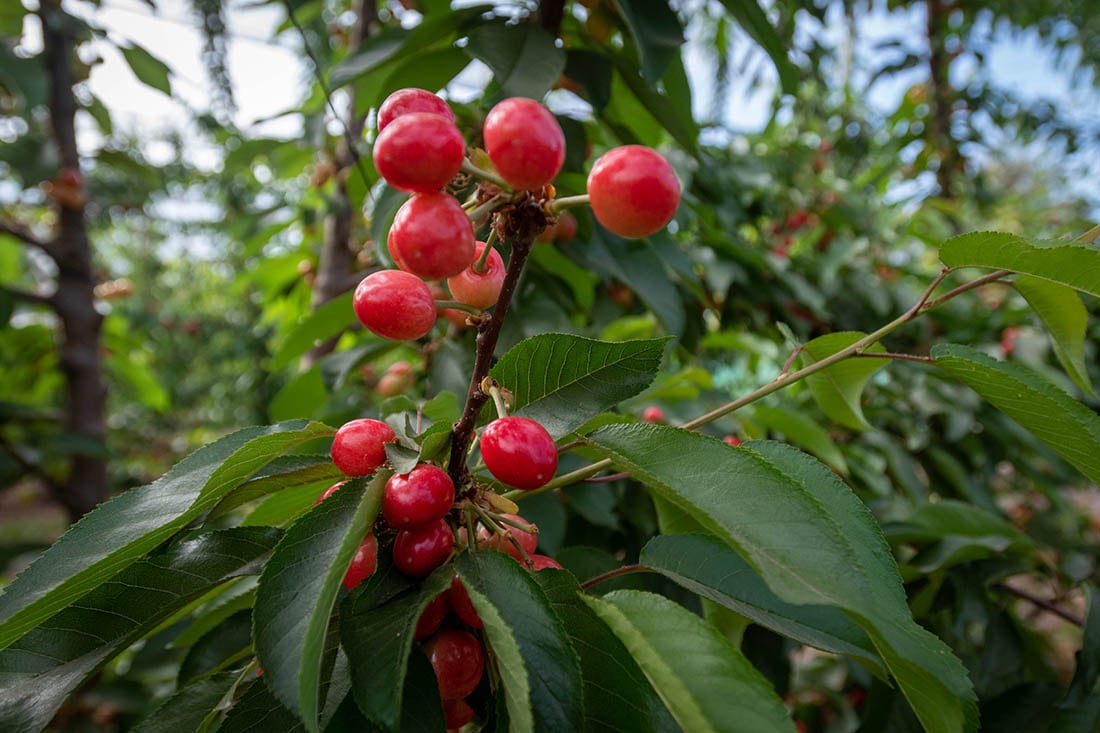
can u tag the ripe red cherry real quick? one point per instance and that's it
(363, 564)
(527, 540)
(456, 713)
(420, 550)
(542, 562)
(462, 605)
(458, 662)
(731, 440)
(423, 495)
(410, 100)
(432, 237)
(329, 492)
(419, 152)
(654, 414)
(395, 305)
(525, 143)
(359, 446)
(633, 191)
(519, 452)
(480, 290)
(432, 617)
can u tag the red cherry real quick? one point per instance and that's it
(542, 562)
(359, 446)
(633, 191)
(419, 497)
(406, 101)
(462, 605)
(397, 379)
(456, 713)
(654, 414)
(731, 440)
(329, 492)
(524, 142)
(567, 226)
(519, 452)
(420, 550)
(432, 617)
(419, 152)
(432, 237)
(527, 540)
(480, 290)
(395, 305)
(363, 564)
(458, 662)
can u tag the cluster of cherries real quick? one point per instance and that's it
(633, 192)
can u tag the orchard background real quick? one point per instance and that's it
(887, 308)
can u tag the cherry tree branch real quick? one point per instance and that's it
(23, 234)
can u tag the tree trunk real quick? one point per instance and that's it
(74, 302)
(942, 98)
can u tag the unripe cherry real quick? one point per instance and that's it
(432, 237)
(419, 152)
(410, 100)
(359, 446)
(519, 452)
(420, 550)
(423, 495)
(458, 661)
(633, 191)
(395, 305)
(524, 142)
(363, 564)
(479, 289)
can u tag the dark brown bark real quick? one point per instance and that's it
(550, 15)
(337, 257)
(74, 301)
(942, 98)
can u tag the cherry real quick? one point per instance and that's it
(454, 315)
(456, 713)
(431, 236)
(542, 562)
(458, 662)
(524, 142)
(519, 452)
(420, 550)
(432, 617)
(566, 227)
(419, 152)
(329, 492)
(654, 414)
(419, 497)
(363, 564)
(633, 191)
(462, 605)
(409, 100)
(397, 379)
(395, 305)
(359, 446)
(731, 440)
(527, 540)
(479, 289)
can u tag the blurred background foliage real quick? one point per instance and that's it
(214, 277)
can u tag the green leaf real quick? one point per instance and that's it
(258, 711)
(706, 566)
(524, 58)
(955, 532)
(674, 118)
(300, 397)
(657, 31)
(150, 70)
(636, 263)
(298, 589)
(329, 320)
(43, 666)
(837, 388)
(540, 671)
(190, 708)
(811, 540)
(1066, 318)
(1080, 710)
(284, 472)
(227, 603)
(562, 381)
(592, 70)
(1068, 427)
(803, 430)
(376, 628)
(753, 20)
(706, 682)
(432, 69)
(1074, 264)
(581, 281)
(118, 532)
(222, 646)
(609, 672)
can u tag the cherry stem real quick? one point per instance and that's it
(456, 305)
(568, 202)
(616, 573)
(488, 207)
(481, 264)
(473, 170)
(498, 400)
(488, 333)
(1042, 603)
(471, 530)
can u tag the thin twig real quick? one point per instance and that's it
(1042, 603)
(23, 234)
(892, 355)
(27, 296)
(608, 478)
(617, 572)
(965, 287)
(790, 361)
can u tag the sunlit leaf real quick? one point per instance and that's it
(1065, 317)
(1074, 264)
(837, 388)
